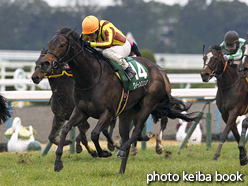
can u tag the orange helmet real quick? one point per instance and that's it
(90, 24)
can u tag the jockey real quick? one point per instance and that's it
(107, 38)
(232, 45)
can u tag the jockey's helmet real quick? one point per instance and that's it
(90, 24)
(231, 39)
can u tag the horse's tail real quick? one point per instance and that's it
(172, 108)
(4, 111)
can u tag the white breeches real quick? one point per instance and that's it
(118, 53)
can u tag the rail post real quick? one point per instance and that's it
(72, 138)
(192, 127)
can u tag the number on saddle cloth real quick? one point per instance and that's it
(141, 78)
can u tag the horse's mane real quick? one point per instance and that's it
(75, 35)
(216, 47)
(77, 38)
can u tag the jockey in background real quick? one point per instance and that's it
(107, 38)
(232, 45)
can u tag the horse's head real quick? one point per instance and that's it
(59, 48)
(214, 63)
(243, 67)
(38, 75)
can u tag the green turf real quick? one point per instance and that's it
(81, 169)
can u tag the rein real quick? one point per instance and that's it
(59, 60)
(218, 76)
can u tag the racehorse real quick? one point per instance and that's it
(231, 97)
(4, 111)
(61, 83)
(97, 91)
(243, 73)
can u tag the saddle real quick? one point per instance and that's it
(141, 78)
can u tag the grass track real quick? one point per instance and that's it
(80, 169)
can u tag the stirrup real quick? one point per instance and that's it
(130, 73)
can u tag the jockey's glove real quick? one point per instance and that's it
(226, 57)
(86, 43)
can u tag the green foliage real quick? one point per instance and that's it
(148, 55)
(160, 28)
(81, 169)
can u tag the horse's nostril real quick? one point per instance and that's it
(35, 79)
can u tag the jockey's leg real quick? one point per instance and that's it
(118, 54)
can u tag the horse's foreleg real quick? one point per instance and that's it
(124, 133)
(75, 119)
(159, 147)
(56, 125)
(108, 135)
(83, 128)
(242, 150)
(103, 123)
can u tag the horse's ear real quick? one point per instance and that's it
(69, 34)
(57, 32)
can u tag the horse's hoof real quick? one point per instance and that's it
(150, 134)
(67, 142)
(159, 150)
(121, 154)
(244, 161)
(215, 158)
(105, 154)
(111, 147)
(58, 166)
(134, 152)
(94, 154)
(117, 145)
(79, 149)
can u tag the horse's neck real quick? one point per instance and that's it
(86, 70)
(60, 84)
(228, 77)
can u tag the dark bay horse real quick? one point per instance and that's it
(4, 111)
(62, 105)
(231, 97)
(97, 92)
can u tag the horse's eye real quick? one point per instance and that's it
(62, 45)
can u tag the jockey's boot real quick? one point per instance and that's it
(130, 73)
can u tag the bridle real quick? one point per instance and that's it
(214, 70)
(55, 64)
(224, 69)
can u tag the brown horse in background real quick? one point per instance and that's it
(231, 98)
(97, 92)
(4, 111)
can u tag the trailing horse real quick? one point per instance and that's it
(4, 111)
(231, 97)
(98, 91)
